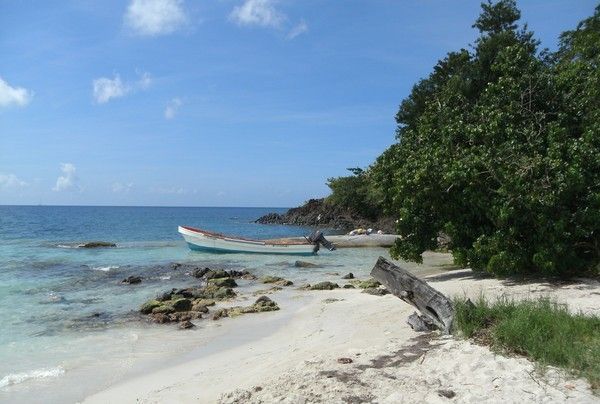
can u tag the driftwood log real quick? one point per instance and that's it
(436, 307)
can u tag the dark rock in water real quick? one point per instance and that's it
(182, 304)
(376, 291)
(324, 286)
(175, 265)
(219, 273)
(305, 264)
(239, 274)
(348, 286)
(97, 244)
(149, 306)
(161, 297)
(348, 276)
(132, 280)
(223, 282)
(186, 325)
(184, 316)
(200, 272)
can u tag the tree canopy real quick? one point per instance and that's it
(499, 148)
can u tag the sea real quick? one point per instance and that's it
(70, 327)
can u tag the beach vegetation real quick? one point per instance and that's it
(499, 150)
(542, 330)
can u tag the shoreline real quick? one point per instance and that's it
(292, 354)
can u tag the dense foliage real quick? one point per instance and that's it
(499, 148)
(354, 192)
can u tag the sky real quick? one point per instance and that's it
(216, 102)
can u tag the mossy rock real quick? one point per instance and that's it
(349, 286)
(220, 314)
(182, 304)
(265, 291)
(223, 282)
(324, 286)
(216, 273)
(263, 303)
(271, 279)
(217, 293)
(366, 284)
(147, 307)
(163, 309)
(204, 302)
(284, 282)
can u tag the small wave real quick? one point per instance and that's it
(105, 269)
(16, 378)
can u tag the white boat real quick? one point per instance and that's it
(203, 240)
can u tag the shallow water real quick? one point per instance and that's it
(70, 326)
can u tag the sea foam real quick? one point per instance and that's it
(105, 269)
(16, 378)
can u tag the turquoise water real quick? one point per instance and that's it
(70, 327)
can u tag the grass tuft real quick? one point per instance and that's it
(542, 330)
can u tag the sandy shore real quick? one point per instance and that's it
(292, 355)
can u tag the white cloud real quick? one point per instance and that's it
(13, 95)
(67, 181)
(155, 17)
(119, 187)
(104, 88)
(11, 181)
(298, 30)
(258, 12)
(172, 107)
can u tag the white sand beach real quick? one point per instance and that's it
(293, 355)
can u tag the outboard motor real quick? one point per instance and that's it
(318, 239)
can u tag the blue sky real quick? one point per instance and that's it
(215, 102)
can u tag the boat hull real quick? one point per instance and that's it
(198, 240)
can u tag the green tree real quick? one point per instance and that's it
(499, 148)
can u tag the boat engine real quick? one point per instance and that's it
(318, 239)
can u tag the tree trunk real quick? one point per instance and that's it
(434, 305)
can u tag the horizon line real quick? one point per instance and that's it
(144, 206)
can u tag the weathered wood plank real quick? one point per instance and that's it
(433, 304)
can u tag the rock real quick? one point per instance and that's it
(376, 291)
(331, 300)
(277, 281)
(267, 291)
(161, 318)
(305, 264)
(97, 244)
(219, 314)
(271, 279)
(147, 307)
(204, 302)
(348, 286)
(223, 282)
(132, 280)
(364, 284)
(164, 296)
(219, 273)
(181, 304)
(324, 286)
(263, 303)
(184, 316)
(446, 393)
(218, 293)
(175, 265)
(199, 273)
(345, 361)
(239, 274)
(164, 309)
(199, 308)
(348, 276)
(186, 325)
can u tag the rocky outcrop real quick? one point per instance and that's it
(317, 212)
(97, 244)
(132, 280)
(261, 304)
